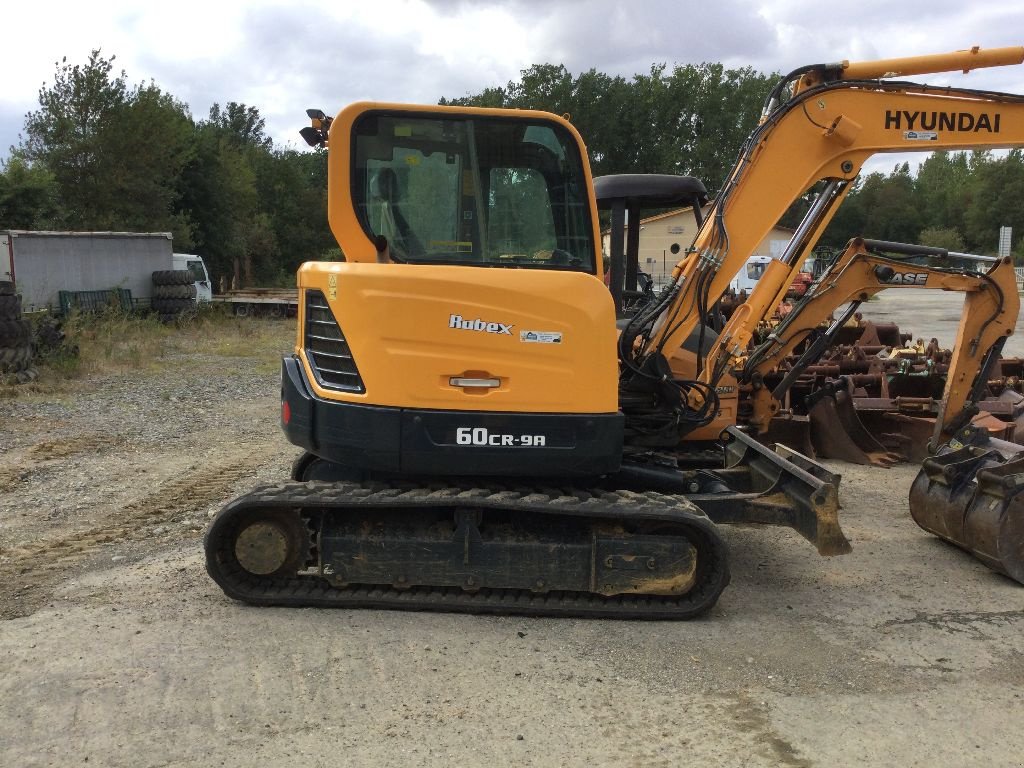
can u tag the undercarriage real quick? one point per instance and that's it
(559, 549)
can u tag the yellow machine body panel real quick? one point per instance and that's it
(470, 255)
(547, 336)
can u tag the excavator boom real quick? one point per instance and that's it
(823, 134)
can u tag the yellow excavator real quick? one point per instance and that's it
(862, 270)
(479, 432)
(968, 493)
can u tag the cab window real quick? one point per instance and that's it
(477, 191)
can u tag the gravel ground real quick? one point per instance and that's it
(116, 649)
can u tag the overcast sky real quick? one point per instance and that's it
(284, 57)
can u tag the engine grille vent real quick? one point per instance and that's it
(326, 349)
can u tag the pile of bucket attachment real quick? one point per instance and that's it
(870, 393)
(874, 397)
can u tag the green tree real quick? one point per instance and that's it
(943, 189)
(220, 199)
(292, 191)
(242, 123)
(691, 119)
(28, 195)
(66, 135)
(150, 145)
(115, 152)
(942, 237)
(892, 212)
(258, 212)
(880, 207)
(997, 200)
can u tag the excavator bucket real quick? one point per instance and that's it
(903, 435)
(792, 430)
(973, 496)
(837, 432)
(1009, 407)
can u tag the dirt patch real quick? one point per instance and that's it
(118, 650)
(29, 572)
(60, 449)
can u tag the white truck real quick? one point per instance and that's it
(43, 264)
(751, 272)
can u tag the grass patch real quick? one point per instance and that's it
(215, 332)
(112, 342)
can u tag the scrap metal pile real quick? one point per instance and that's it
(873, 396)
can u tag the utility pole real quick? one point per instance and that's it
(1005, 236)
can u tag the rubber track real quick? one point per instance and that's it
(314, 591)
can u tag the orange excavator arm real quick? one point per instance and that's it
(836, 118)
(991, 304)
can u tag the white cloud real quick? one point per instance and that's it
(284, 57)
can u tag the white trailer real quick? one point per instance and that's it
(41, 264)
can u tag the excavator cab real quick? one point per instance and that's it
(471, 191)
(454, 337)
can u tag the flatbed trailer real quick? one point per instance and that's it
(261, 302)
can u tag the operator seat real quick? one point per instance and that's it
(387, 218)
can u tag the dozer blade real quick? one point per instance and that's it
(780, 487)
(973, 496)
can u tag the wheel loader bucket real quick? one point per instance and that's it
(973, 496)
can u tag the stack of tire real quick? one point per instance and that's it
(174, 292)
(15, 335)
